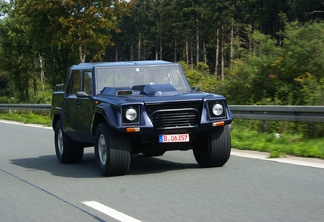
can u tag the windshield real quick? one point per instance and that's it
(141, 75)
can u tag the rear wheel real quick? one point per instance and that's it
(112, 151)
(214, 150)
(66, 150)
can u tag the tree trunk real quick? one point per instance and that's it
(191, 55)
(42, 73)
(161, 48)
(82, 53)
(131, 52)
(217, 53)
(116, 53)
(222, 46)
(26, 92)
(175, 49)
(187, 49)
(205, 53)
(144, 49)
(197, 42)
(160, 39)
(35, 85)
(139, 47)
(232, 45)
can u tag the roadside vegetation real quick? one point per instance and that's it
(248, 135)
(27, 117)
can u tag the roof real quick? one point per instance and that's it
(126, 63)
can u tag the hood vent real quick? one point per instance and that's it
(117, 91)
(156, 90)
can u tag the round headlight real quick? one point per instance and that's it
(131, 114)
(218, 109)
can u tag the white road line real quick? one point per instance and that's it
(110, 212)
(23, 124)
(301, 161)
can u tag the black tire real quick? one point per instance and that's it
(112, 151)
(215, 148)
(66, 150)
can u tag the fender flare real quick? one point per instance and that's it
(56, 115)
(105, 113)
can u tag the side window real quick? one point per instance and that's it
(87, 82)
(75, 84)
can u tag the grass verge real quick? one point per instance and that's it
(285, 144)
(28, 117)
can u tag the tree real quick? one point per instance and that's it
(88, 25)
(44, 35)
(301, 64)
(16, 51)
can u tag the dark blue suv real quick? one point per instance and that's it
(125, 108)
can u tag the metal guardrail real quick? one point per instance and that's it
(261, 112)
(31, 107)
(279, 113)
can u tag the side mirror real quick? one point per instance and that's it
(59, 88)
(196, 88)
(81, 94)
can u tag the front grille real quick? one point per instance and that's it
(175, 114)
(175, 118)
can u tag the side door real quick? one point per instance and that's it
(70, 104)
(85, 105)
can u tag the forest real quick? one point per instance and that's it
(251, 51)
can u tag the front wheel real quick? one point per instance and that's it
(112, 151)
(214, 149)
(66, 150)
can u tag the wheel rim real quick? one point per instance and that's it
(102, 149)
(60, 145)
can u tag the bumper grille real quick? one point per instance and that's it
(175, 114)
(175, 118)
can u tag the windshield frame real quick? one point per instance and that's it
(129, 76)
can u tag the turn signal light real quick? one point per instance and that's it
(132, 130)
(219, 123)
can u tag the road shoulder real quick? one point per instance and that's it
(302, 161)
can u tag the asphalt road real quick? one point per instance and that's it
(35, 187)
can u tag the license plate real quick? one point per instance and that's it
(174, 138)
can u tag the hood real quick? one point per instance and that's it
(152, 93)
